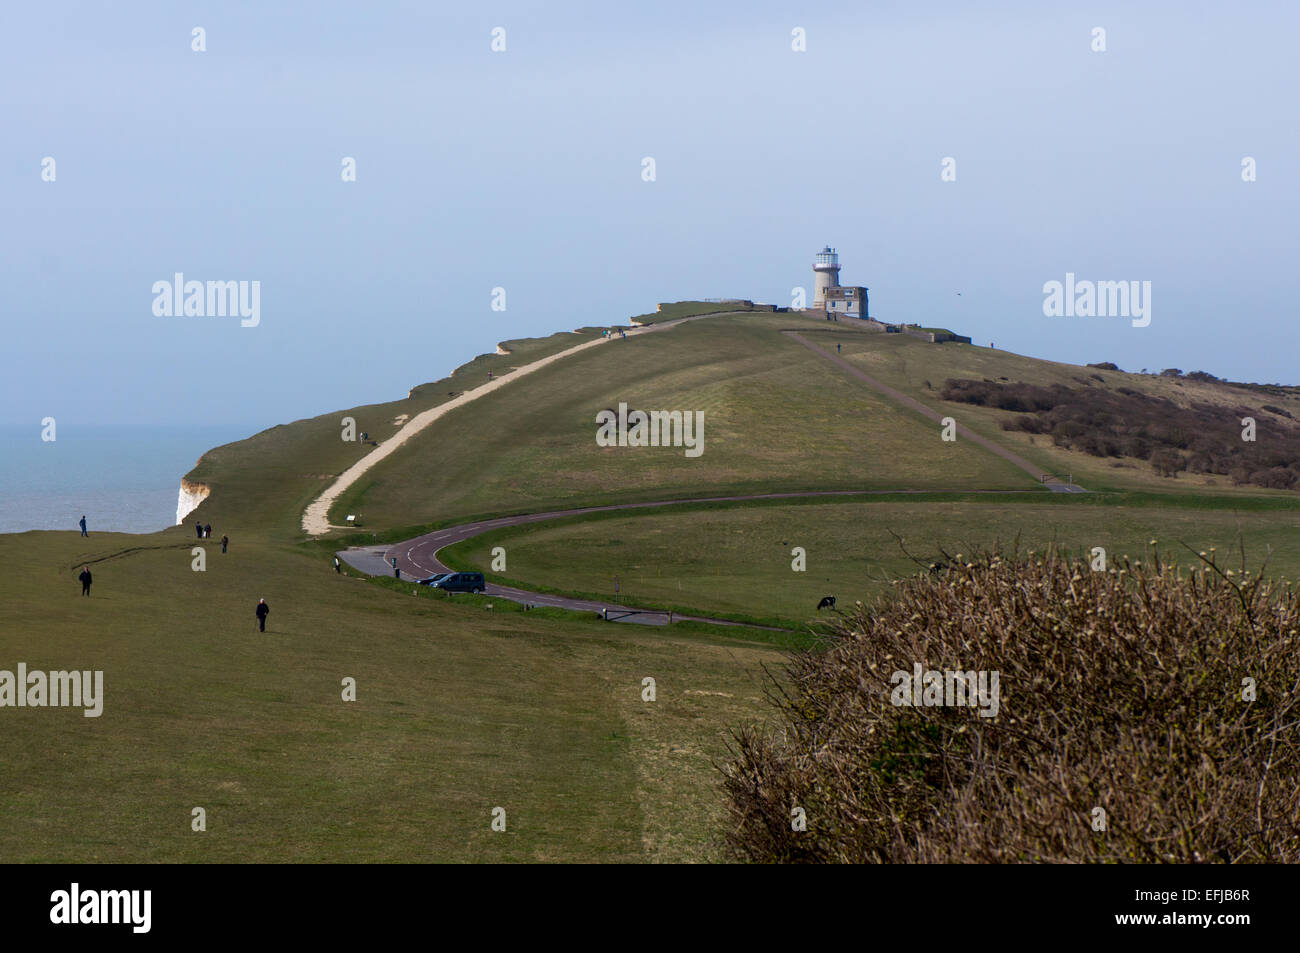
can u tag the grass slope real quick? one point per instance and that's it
(461, 709)
(737, 559)
(458, 710)
(777, 417)
(264, 483)
(909, 364)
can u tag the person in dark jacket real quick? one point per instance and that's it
(198, 530)
(225, 541)
(83, 526)
(85, 580)
(207, 531)
(263, 610)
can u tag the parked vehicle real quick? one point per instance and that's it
(461, 582)
(430, 580)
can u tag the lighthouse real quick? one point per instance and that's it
(832, 297)
(826, 275)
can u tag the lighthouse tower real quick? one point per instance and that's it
(826, 275)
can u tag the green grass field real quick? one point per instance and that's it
(458, 710)
(777, 417)
(736, 560)
(263, 483)
(909, 364)
(462, 708)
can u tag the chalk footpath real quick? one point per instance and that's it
(315, 520)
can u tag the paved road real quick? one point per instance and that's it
(1038, 473)
(418, 558)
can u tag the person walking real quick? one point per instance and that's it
(837, 349)
(198, 530)
(225, 541)
(207, 531)
(82, 523)
(263, 610)
(85, 580)
(337, 567)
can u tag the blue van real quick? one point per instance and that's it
(460, 582)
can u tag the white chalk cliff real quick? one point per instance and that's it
(192, 494)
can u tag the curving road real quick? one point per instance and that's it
(418, 557)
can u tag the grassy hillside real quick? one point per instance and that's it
(264, 482)
(921, 369)
(671, 310)
(736, 559)
(777, 417)
(458, 710)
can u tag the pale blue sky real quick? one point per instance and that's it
(523, 170)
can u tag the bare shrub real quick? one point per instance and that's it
(1125, 422)
(1017, 397)
(1167, 462)
(1120, 690)
(1275, 478)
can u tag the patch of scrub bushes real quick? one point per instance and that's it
(1202, 438)
(1126, 729)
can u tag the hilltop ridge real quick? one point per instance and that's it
(779, 419)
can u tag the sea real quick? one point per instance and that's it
(122, 479)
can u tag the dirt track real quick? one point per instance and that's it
(315, 519)
(899, 397)
(417, 558)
